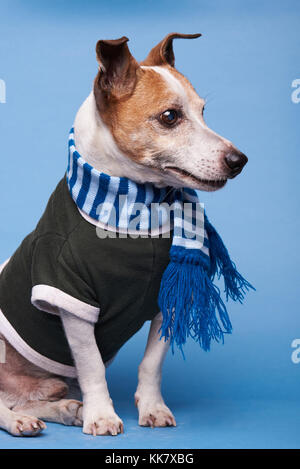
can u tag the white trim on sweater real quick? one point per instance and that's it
(51, 300)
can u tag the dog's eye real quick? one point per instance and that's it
(169, 117)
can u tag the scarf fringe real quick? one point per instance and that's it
(190, 303)
(235, 284)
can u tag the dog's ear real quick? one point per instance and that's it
(117, 74)
(163, 53)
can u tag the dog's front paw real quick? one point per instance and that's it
(107, 425)
(154, 414)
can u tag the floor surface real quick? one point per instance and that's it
(213, 424)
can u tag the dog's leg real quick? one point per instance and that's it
(99, 417)
(65, 411)
(19, 424)
(151, 406)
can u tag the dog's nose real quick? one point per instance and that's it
(235, 161)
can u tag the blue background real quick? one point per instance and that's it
(245, 393)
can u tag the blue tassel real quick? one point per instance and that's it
(190, 303)
(220, 263)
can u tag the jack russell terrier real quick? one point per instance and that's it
(72, 295)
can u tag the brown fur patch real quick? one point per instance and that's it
(128, 119)
(20, 380)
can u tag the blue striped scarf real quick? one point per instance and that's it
(190, 302)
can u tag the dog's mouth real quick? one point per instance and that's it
(211, 183)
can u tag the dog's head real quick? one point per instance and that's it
(156, 119)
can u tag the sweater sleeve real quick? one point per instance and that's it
(57, 283)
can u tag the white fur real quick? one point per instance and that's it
(94, 141)
(171, 81)
(18, 423)
(99, 417)
(151, 406)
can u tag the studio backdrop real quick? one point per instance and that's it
(246, 66)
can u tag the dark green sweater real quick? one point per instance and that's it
(120, 276)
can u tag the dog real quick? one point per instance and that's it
(142, 121)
